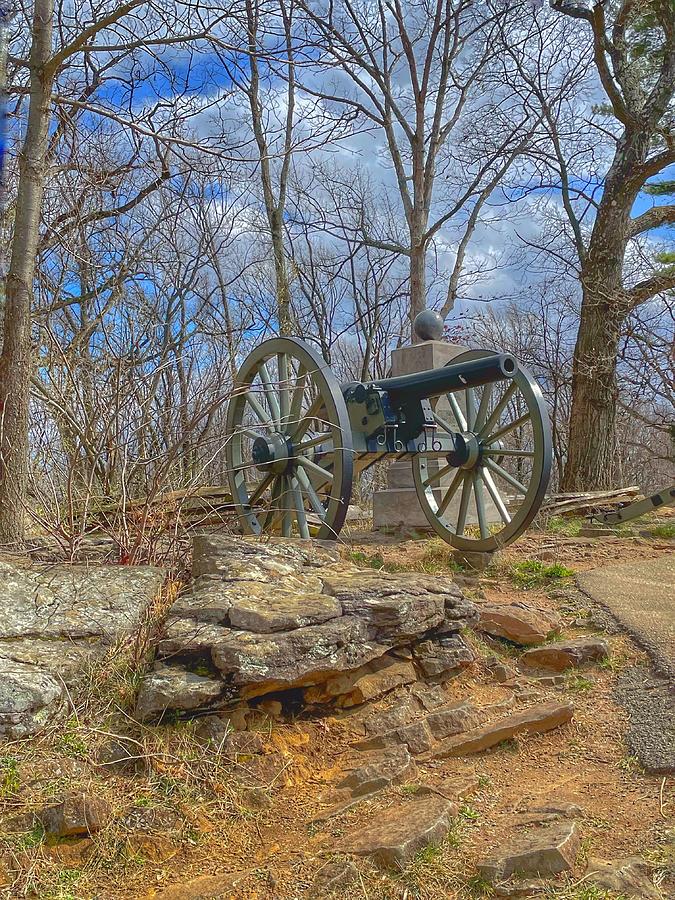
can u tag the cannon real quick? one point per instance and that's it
(476, 431)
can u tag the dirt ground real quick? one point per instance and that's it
(276, 846)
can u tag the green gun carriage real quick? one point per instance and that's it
(476, 431)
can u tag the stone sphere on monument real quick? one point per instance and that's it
(428, 325)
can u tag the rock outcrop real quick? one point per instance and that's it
(264, 617)
(536, 719)
(53, 621)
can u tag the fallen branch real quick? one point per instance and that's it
(589, 501)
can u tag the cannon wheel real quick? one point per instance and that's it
(289, 450)
(510, 423)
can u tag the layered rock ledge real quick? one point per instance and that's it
(54, 620)
(284, 615)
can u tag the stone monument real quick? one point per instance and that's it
(397, 507)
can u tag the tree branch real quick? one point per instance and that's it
(653, 218)
(650, 287)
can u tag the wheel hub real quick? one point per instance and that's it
(466, 452)
(273, 453)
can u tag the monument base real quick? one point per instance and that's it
(397, 507)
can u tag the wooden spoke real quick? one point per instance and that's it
(313, 442)
(436, 476)
(284, 401)
(493, 418)
(299, 508)
(457, 412)
(496, 496)
(464, 504)
(297, 398)
(480, 503)
(444, 425)
(508, 428)
(495, 451)
(312, 496)
(275, 510)
(313, 467)
(260, 489)
(450, 493)
(270, 395)
(258, 409)
(483, 407)
(470, 399)
(287, 512)
(252, 432)
(305, 421)
(497, 469)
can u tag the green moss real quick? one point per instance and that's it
(578, 683)
(70, 741)
(27, 839)
(532, 573)
(568, 526)
(662, 531)
(478, 887)
(427, 855)
(468, 813)
(9, 776)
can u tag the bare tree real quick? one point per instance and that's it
(91, 48)
(415, 71)
(633, 46)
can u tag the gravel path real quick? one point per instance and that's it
(641, 596)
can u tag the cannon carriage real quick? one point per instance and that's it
(476, 431)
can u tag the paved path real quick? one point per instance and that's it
(641, 597)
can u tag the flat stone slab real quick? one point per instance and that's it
(398, 605)
(547, 850)
(361, 685)
(265, 611)
(171, 687)
(641, 597)
(398, 833)
(268, 662)
(378, 772)
(628, 877)
(29, 698)
(239, 560)
(538, 718)
(518, 622)
(73, 601)
(564, 655)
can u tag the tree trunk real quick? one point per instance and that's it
(591, 451)
(418, 290)
(16, 364)
(283, 290)
(605, 304)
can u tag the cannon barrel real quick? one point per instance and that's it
(434, 382)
